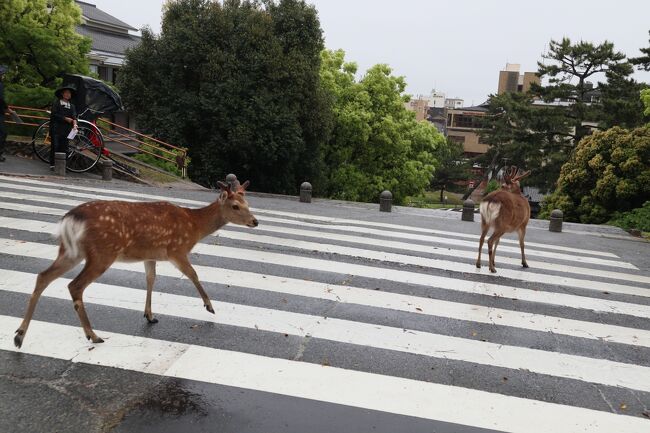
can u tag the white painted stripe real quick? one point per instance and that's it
(227, 233)
(412, 247)
(344, 331)
(397, 227)
(363, 270)
(422, 239)
(328, 384)
(61, 189)
(425, 306)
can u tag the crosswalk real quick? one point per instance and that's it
(374, 315)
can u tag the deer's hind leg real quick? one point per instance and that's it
(150, 269)
(484, 229)
(492, 248)
(93, 269)
(522, 234)
(61, 265)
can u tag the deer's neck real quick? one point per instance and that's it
(208, 219)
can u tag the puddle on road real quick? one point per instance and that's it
(163, 409)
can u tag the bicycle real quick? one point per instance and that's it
(84, 150)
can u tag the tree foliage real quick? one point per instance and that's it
(642, 62)
(571, 69)
(645, 98)
(39, 43)
(608, 172)
(238, 84)
(539, 130)
(376, 143)
(522, 134)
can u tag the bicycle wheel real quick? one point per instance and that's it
(82, 153)
(42, 142)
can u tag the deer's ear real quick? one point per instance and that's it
(223, 197)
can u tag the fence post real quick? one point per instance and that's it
(385, 201)
(468, 210)
(305, 192)
(59, 163)
(556, 221)
(107, 170)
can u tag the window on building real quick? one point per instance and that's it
(457, 139)
(464, 121)
(102, 71)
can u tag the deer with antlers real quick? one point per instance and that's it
(102, 232)
(505, 210)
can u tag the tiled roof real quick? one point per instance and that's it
(91, 12)
(110, 42)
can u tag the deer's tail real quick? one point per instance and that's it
(489, 211)
(70, 232)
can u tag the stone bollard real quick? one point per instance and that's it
(231, 180)
(385, 201)
(59, 163)
(107, 170)
(556, 221)
(305, 192)
(468, 210)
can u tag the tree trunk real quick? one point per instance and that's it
(483, 177)
(442, 190)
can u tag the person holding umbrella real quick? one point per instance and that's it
(4, 108)
(63, 119)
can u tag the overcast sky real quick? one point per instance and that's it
(457, 47)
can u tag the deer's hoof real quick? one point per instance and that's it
(524, 264)
(478, 265)
(152, 320)
(209, 308)
(493, 270)
(18, 339)
(94, 339)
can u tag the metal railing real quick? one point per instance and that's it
(116, 133)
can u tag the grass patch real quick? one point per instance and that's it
(431, 200)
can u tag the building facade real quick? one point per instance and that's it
(511, 81)
(463, 125)
(110, 37)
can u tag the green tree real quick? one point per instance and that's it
(642, 62)
(571, 70)
(539, 130)
(608, 172)
(452, 166)
(238, 84)
(39, 43)
(526, 135)
(645, 98)
(376, 143)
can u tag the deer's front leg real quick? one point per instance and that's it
(150, 269)
(183, 264)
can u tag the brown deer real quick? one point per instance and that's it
(505, 210)
(102, 232)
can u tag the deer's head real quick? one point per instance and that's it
(511, 179)
(234, 207)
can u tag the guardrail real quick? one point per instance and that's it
(113, 132)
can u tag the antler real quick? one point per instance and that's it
(521, 176)
(225, 187)
(509, 173)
